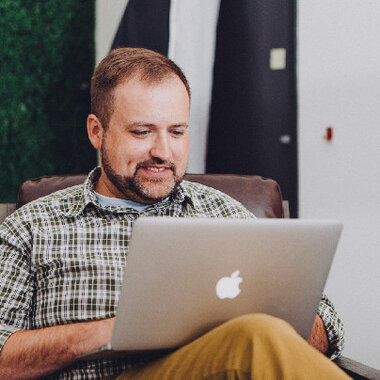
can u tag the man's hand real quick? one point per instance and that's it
(318, 337)
(30, 354)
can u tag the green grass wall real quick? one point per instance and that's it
(46, 61)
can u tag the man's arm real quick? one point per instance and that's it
(29, 354)
(318, 337)
(333, 326)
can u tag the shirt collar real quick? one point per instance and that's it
(180, 196)
(87, 197)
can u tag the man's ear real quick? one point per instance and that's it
(95, 131)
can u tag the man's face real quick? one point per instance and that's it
(144, 151)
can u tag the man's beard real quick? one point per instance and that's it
(132, 186)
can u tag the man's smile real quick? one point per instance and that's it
(156, 173)
(157, 170)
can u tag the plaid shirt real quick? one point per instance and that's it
(62, 259)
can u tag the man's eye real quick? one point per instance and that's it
(140, 133)
(178, 132)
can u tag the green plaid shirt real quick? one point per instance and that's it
(62, 259)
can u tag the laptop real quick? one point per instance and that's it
(185, 276)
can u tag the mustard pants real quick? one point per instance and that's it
(254, 346)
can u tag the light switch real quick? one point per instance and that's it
(285, 139)
(277, 60)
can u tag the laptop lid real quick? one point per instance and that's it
(185, 276)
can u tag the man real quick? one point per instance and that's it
(62, 257)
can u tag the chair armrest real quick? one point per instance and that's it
(357, 370)
(5, 210)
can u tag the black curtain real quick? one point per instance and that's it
(145, 23)
(253, 127)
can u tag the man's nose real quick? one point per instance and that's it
(161, 147)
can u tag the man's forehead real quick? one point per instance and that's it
(138, 87)
(164, 101)
(147, 82)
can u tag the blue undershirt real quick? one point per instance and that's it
(118, 202)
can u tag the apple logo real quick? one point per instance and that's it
(228, 287)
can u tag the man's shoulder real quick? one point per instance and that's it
(212, 202)
(57, 202)
(198, 189)
(60, 197)
(43, 212)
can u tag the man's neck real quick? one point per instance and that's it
(119, 202)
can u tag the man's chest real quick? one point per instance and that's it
(78, 268)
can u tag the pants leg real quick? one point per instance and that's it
(256, 346)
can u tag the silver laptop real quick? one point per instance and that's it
(185, 276)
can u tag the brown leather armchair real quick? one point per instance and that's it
(260, 195)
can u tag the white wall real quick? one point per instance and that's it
(339, 86)
(108, 16)
(193, 29)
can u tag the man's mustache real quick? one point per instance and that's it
(156, 161)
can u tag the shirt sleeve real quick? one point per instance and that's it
(333, 325)
(16, 281)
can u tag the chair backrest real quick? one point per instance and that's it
(260, 195)
(6, 209)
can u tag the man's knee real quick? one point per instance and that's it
(253, 326)
(236, 342)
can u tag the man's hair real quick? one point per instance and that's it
(122, 64)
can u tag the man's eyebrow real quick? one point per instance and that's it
(139, 124)
(148, 124)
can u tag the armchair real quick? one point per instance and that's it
(260, 195)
